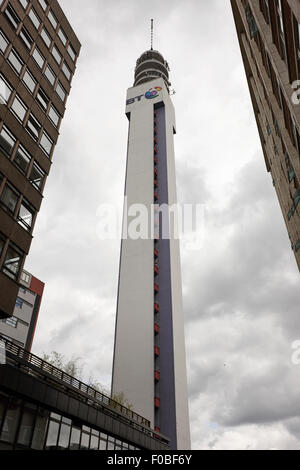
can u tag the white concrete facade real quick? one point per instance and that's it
(133, 369)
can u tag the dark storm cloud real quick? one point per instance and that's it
(240, 282)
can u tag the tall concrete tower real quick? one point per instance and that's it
(149, 365)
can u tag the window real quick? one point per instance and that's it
(12, 262)
(42, 99)
(9, 198)
(61, 91)
(52, 435)
(297, 246)
(12, 16)
(33, 126)
(12, 321)
(19, 302)
(71, 52)
(50, 75)
(25, 216)
(66, 71)
(38, 57)
(46, 143)
(19, 108)
(22, 159)
(7, 141)
(27, 424)
(15, 61)
(34, 18)
(26, 38)
(62, 36)
(54, 115)
(281, 29)
(5, 90)
(52, 19)
(26, 278)
(46, 37)
(37, 176)
(56, 54)
(10, 423)
(43, 4)
(29, 81)
(3, 42)
(24, 3)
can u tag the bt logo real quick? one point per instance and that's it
(150, 94)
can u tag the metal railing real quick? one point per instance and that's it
(36, 363)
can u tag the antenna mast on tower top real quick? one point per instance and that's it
(152, 35)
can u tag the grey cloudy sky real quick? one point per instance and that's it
(240, 282)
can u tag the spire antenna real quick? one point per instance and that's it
(151, 34)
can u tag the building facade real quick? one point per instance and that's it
(38, 54)
(43, 408)
(269, 37)
(149, 364)
(20, 328)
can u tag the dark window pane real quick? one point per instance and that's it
(22, 159)
(37, 176)
(40, 430)
(42, 99)
(10, 423)
(7, 141)
(12, 262)
(12, 16)
(27, 423)
(25, 36)
(9, 198)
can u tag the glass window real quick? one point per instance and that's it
(24, 3)
(2, 243)
(12, 16)
(12, 262)
(85, 441)
(40, 429)
(34, 18)
(61, 91)
(27, 424)
(19, 108)
(38, 57)
(10, 423)
(56, 54)
(42, 99)
(71, 52)
(9, 198)
(75, 438)
(94, 443)
(43, 4)
(52, 19)
(46, 37)
(5, 90)
(12, 321)
(15, 61)
(25, 216)
(46, 143)
(19, 302)
(3, 42)
(64, 436)
(54, 115)
(66, 71)
(37, 176)
(52, 435)
(22, 159)
(3, 398)
(50, 75)
(33, 126)
(25, 36)
(29, 81)
(62, 36)
(103, 444)
(7, 141)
